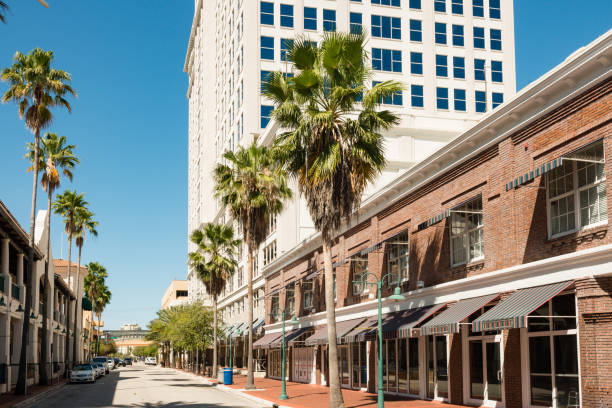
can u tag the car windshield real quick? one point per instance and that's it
(83, 367)
(99, 359)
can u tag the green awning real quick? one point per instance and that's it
(512, 313)
(86, 305)
(448, 321)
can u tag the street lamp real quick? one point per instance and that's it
(293, 320)
(397, 296)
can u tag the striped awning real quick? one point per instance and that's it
(360, 331)
(512, 313)
(289, 335)
(258, 323)
(342, 328)
(265, 341)
(531, 174)
(448, 321)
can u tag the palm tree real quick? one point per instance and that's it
(101, 301)
(35, 87)
(215, 263)
(94, 280)
(4, 7)
(252, 187)
(54, 155)
(70, 205)
(84, 224)
(332, 146)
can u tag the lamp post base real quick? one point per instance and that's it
(283, 397)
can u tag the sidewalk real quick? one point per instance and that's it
(35, 392)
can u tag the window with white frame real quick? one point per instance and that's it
(289, 301)
(274, 308)
(240, 276)
(359, 267)
(308, 293)
(270, 252)
(397, 257)
(466, 230)
(271, 223)
(577, 191)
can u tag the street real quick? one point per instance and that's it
(145, 386)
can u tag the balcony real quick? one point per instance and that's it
(15, 291)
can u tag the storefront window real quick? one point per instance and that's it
(402, 365)
(437, 363)
(413, 364)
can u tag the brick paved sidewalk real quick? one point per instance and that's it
(10, 399)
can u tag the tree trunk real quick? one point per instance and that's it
(98, 336)
(44, 375)
(68, 310)
(214, 368)
(76, 310)
(22, 380)
(90, 330)
(335, 393)
(250, 383)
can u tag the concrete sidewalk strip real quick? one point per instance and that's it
(37, 397)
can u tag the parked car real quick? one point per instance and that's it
(83, 373)
(111, 363)
(104, 361)
(150, 361)
(127, 361)
(98, 369)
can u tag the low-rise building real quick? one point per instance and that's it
(128, 338)
(176, 294)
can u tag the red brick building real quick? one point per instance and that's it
(501, 245)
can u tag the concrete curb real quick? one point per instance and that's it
(30, 401)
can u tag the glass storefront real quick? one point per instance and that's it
(437, 367)
(275, 365)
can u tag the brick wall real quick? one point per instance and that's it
(512, 368)
(455, 369)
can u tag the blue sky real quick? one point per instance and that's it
(130, 123)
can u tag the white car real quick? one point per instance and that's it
(150, 361)
(104, 361)
(98, 368)
(83, 373)
(111, 363)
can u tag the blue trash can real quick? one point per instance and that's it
(228, 376)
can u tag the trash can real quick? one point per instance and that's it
(228, 376)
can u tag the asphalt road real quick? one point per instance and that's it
(142, 386)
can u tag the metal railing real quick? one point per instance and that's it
(15, 291)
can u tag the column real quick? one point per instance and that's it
(5, 331)
(4, 268)
(22, 289)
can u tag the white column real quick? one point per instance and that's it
(22, 289)
(4, 268)
(5, 331)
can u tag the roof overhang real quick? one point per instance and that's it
(11, 229)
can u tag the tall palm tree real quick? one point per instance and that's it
(94, 280)
(101, 301)
(84, 224)
(215, 263)
(333, 145)
(252, 188)
(70, 205)
(36, 88)
(56, 157)
(4, 8)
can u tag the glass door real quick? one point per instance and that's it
(485, 365)
(493, 391)
(344, 365)
(437, 367)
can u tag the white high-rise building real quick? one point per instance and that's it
(455, 57)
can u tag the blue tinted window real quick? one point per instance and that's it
(416, 63)
(394, 3)
(267, 48)
(286, 44)
(356, 22)
(440, 6)
(415, 4)
(478, 8)
(497, 99)
(286, 15)
(440, 33)
(441, 65)
(329, 20)
(457, 6)
(496, 71)
(266, 15)
(479, 37)
(460, 100)
(458, 35)
(266, 110)
(481, 101)
(494, 9)
(395, 99)
(265, 75)
(416, 92)
(386, 60)
(386, 27)
(442, 98)
(310, 18)
(496, 40)
(459, 67)
(479, 69)
(416, 30)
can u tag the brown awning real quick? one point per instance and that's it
(320, 335)
(289, 336)
(265, 341)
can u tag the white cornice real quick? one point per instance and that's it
(194, 27)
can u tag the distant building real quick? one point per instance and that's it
(176, 294)
(127, 338)
(130, 326)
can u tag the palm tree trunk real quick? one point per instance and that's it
(22, 383)
(68, 310)
(250, 384)
(76, 309)
(214, 372)
(98, 336)
(90, 331)
(44, 376)
(335, 393)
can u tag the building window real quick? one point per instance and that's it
(459, 67)
(416, 92)
(271, 223)
(394, 3)
(356, 23)
(460, 103)
(457, 6)
(415, 4)
(395, 99)
(274, 308)
(479, 37)
(416, 63)
(496, 71)
(329, 20)
(308, 291)
(553, 353)
(441, 65)
(458, 35)
(397, 251)
(478, 8)
(310, 18)
(496, 39)
(577, 191)
(481, 101)
(387, 27)
(442, 98)
(386, 60)
(269, 252)
(440, 6)
(286, 45)
(266, 14)
(466, 231)
(494, 9)
(266, 111)
(359, 267)
(240, 276)
(264, 77)
(267, 48)
(286, 15)
(289, 302)
(416, 30)
(497, 98)
(479, 69)
(440, 33)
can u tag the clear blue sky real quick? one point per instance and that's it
(130, 122)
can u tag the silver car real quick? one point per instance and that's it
(83, 373)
